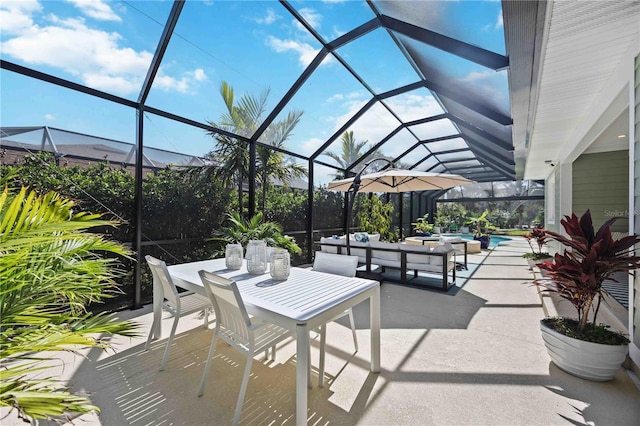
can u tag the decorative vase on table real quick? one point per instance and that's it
(280, 264)
(257, 257)
(233, 256)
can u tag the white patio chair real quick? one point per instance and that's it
(181, 304)
(338, 264)
(233, 325)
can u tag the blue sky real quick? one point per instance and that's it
(253, 45)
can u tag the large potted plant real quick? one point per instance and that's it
(481, 224)
(580, 345)
(537, 236)
(241, 231)
(422, 227)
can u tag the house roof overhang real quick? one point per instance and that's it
(568, 74)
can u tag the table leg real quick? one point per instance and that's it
(374, 309)
(302, 349)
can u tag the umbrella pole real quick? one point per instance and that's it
(352, 191)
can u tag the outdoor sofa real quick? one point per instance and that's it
(439, 260)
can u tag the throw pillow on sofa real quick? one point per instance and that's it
(361, 237)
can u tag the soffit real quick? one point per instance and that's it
(586, 42)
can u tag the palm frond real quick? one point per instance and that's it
(50, 269)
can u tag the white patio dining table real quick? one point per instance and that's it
(306, 300)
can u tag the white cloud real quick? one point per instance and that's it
(94, 56)
(311, 16)
(49, 117)
(111, 83)
(269, 18)
(478, 76)
(336, 32)
(413, 106)
(310, 146)
(488, 84)
(199, 75)
(305, 51)
(499, 21)
(96, 9)
(16, 16)
(183, 84)
(376, 123)
(496, 26)
(342, 96)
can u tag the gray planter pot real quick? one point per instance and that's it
(591, 361)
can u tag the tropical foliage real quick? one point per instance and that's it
(51, 269)
(183, 204)
(422, 225)
(374, 217)
(231, 155)
(242, 230)
(539, 237)
(350, 151)
(591, 258)
(480, 223)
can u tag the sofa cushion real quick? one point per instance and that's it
(442, 248)
(357, 251)
(334, 241)
(386, 255)
(450, 239)
(417, 258)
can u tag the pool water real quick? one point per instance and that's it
(495, 239)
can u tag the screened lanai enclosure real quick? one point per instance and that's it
(167, 116)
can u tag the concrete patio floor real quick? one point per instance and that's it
(468, 357)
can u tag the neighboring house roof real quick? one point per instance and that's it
(64, 142)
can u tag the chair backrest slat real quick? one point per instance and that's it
(161, 274)
(231, 314)
(338, 264)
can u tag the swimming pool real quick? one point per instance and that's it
(495, 239)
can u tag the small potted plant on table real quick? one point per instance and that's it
(539, 236)
(576, 345)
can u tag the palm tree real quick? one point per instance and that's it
(351, 151)
(243, 119)
(50, 269)
(232, 154)
(273, 163)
